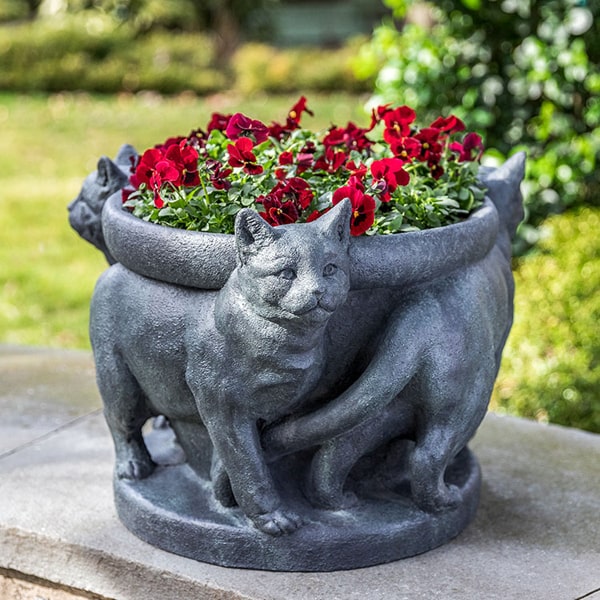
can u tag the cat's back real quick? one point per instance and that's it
(135, 306)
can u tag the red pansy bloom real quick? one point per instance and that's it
(429, 138)
(240, 126)
(449, 124)
(363, 207)
(218, 121)
(436, 169)
(397, 123)
(296, 190)
(331, 161)
(388, 174)
(356, 170)
(218, 174)
(186, 160)
(278, 212)
(471, 144)
(406, 149)
(145, 167)
(278, 131)
(351, 136)
(241, 155)
(172, 141)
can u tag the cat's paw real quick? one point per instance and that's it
(277, 522)
(135, 469)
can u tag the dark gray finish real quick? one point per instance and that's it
(85, 212)
(380, 388)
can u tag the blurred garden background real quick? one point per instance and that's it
(78, 78)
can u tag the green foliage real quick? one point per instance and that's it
(260, 67)
(90, 51)
(78, 53)
(524, 74)
(551, 365)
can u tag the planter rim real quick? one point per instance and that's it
(205, 260)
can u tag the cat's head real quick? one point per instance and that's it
(297, 273)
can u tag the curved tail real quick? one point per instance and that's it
(85, 212)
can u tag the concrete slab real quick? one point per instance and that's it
(536, 535)
(41, 390)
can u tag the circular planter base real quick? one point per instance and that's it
(175, 510)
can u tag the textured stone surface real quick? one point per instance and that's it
(535, 534)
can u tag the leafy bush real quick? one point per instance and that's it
(551, 364)
(260, 67)
(93, 54)
(522, 73)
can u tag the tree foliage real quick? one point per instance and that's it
(522, 72)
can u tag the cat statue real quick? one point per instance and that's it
(222, 363)
(428, 378)
(85, 212)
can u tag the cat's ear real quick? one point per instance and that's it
(335, 223)
(252, 233)
(109, 174)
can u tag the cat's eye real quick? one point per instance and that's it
(287, 274)
(329, 270)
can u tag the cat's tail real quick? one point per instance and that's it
(85, 212)
(504, 189)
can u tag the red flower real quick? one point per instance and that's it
(242, 126)
(331, 161)
(351, 136)
(471, 143)
(218, 121)
(449, 124)
(388, 174)
(278, 131)
(435, 168)
(145, 167)
(218, 174)
(297, 110)
(429, 138)
(357, 171)
(296, 190)
(153, 170)
(241, 155)
(406, 149)
(397, 123)
(185, 158)
(277, 212)
(363, 207)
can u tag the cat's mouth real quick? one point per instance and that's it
(315, 309)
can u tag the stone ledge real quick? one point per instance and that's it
(535, 535)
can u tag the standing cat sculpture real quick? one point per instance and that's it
(429, 376)
(222, 363)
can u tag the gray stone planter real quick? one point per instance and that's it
(304, 439)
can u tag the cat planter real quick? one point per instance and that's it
(315, 393)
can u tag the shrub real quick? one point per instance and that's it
(260, 67)
(522, 73)
(93, 54)
(551, 364)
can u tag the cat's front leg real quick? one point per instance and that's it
(236, 442)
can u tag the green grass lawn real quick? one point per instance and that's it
(47, 147)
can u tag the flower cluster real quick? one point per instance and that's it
(397, 176)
